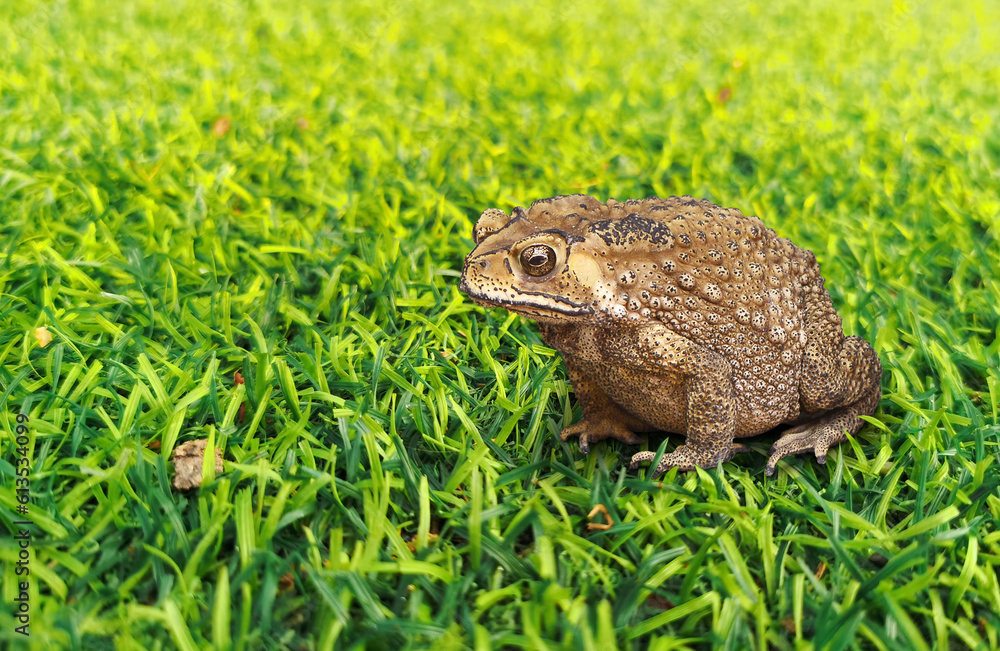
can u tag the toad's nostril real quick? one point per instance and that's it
(484, 264)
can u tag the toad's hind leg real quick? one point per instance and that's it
(841, 388)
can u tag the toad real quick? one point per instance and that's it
(678, 315)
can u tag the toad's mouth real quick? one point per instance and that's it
(536, 305)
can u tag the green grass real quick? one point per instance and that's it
(393, 478)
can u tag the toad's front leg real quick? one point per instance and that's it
(711, 421)
(709, 394)
(602, 417)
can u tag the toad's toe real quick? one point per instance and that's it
(815, 436)
(687, 457)
(593, 430)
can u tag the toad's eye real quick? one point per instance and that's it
(537, 259)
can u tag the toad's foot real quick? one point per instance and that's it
(686, 457)
(816, 436)
(591, 430)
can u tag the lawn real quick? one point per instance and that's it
(244, 222)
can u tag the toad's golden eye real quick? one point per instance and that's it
(537, 259)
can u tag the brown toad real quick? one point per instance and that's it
(678, 315)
